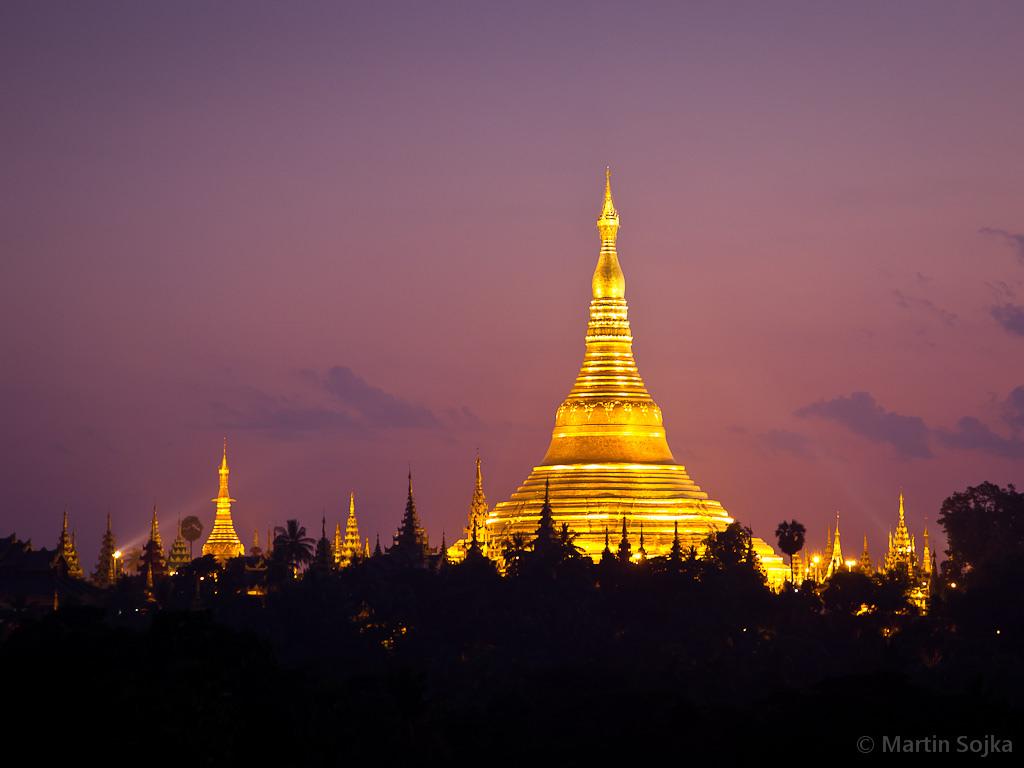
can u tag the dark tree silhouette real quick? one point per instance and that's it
(730, 547)
(984, 524)
(791, 540)
(513, 552)
(568, 550)
(191, 530)
(292, 547)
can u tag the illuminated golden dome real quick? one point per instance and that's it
(609, 457)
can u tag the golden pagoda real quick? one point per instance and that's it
(223, 543)
(901, 555)
(609, 457)
(352, 546)
(476, 521)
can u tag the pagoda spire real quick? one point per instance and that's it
(625, 552)
(836, 555)
(152, 559)
(106, 565)
(337, 545)
(442, 554)
(926, 555)
(901, 547)
(223, 543)
(68, 552)
(410, 542)
(323, 558)
(477, 519)
(608, 281)
(351, 547)
(178, 557)
(865, 558)
(545, 535)
(154, 530)
(675, 553)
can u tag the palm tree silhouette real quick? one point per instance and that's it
(791, 540)
(292, 546)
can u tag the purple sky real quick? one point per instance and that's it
(352, 237)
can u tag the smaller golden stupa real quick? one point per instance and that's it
(223, 543)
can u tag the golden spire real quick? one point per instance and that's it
(608, 281)
(351, 547)
(154, 529)
(223, 493)
(223, 543)
(608, 449)
(477, 518)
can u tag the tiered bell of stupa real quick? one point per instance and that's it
(609, 457)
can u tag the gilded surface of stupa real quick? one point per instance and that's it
(609, 459)
(223, 543)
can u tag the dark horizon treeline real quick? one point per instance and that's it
(561, 660)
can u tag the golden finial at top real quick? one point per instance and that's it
(608, 281)
(608, 222)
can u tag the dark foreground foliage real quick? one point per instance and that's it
(567, 664)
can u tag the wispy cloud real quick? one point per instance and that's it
(910, 435)
(1013, 409)
(912, 302)
(252, 409)
(862, 415)
(348, 404)
(372, 405)
(1011, 317)
(784, 441)
(1014, 239)
(972, 435)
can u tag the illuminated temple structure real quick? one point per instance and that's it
(223, 543)
(609, 460)
(900, 558)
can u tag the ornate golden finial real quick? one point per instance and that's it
(352, 499)
(224, 472)
(608, 281)
(608, 221)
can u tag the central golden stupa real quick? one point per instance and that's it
(609, 459)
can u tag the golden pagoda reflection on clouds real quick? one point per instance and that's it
(609, 463)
